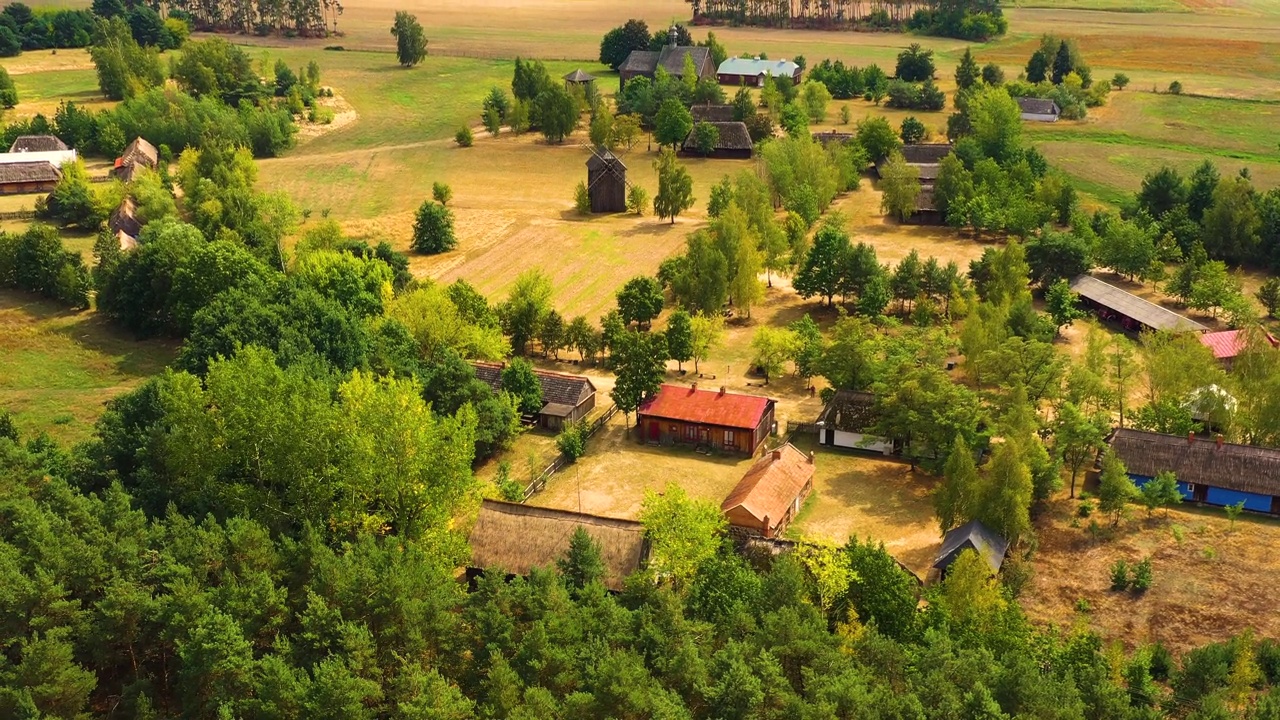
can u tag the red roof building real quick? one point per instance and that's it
(1227, 344)
(713, 419)
(769, 496)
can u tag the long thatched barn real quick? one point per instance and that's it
(1212, 472)
(514, 539)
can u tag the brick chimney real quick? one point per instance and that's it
(810, 457)
(694, 388)
(768, 529)
(1191, 438)
(722, 391)
(777, 454)
(1218, 439)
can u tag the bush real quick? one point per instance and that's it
(1120, 575)
(320, 115)
(582, 199)
(508, 488)
(572, 441)
(37, 262)
(441, 192)
(464, 137)
(637, 200)
(1175, 87)
(1141, 576)
(433, 229)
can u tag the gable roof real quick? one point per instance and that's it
(578, 76)
(975, 536)
(1131, 306)
(1227, 344)
(849, 411)
(671, 59)
(925, 153)
(712, 113)
(29, 172)
(57, 158)
(926, 201)
(561, 393)
(1037, 106)
(517, 538)
(733, 136)
(771, 485)
(124, 218)
(38, 143)
(707, 407)
(139, 151)
(756, 66)
(640, 61)
(1244, 468)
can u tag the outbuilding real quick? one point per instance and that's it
(847, 420)
(756, 71)
(1130, 311)
(733, 141)
(974, 536)
(513, 538)
(566, 398)
(1038, 109)
(711, 419)
(1228, 344)
(38, 143)
(771, 493)
(20, 178)
(1208, 471)
(137, 154)
(606, 182)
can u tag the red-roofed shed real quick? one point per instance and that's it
(1227, 344)
(710, 418)
(767, 498)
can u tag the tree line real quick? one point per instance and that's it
(967, 19)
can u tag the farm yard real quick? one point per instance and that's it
(371, 290)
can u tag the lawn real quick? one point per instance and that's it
(1211, 581)
(60, 367)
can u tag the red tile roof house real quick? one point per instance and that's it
(707, 418)
(770, 495)
(1227, 344)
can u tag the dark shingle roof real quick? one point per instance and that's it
(1131, 306)
(29, 172)
(602, 158)
(38, 143)
(849, 411)
(560, 393)
(1037, 106)
(1244, 468)
(733, 136)
(640, 61)
(925, 201)
(712, 113)
(671, 59)
(125, 218)
(578, 76)
(975, 536)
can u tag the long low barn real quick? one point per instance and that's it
(1208, 471)
(514, 539)
(706, 418)
(1131, 311)
(733, 141)
(28, 177)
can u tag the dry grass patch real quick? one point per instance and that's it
(1210, 582)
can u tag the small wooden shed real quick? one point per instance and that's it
(606, 182)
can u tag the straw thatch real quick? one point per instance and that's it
(850, 411)
(517, 538)
(1199, 461)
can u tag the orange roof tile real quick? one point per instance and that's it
(709, 407)
(772, 484)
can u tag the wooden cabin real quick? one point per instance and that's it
(847, 420)
(566, 398)
(733, 142)
(606, 182)
(711, 419)
(20, 178)
(771, 493)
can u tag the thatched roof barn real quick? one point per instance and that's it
(1131, 311)
(138, 153)
(925, 157)
(1208, 470)
(1038, 109)
(28, 177)
(38, 143)
(771, 493)
(974, 536)
(734, 142)
(125, 218)
(516, 538)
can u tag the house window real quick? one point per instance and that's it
(728, 437)
(690, 432)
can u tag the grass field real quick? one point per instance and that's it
(1210, 581)
(59, 368)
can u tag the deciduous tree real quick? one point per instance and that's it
(411, 39)
(675, 187)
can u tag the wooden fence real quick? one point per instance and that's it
(18, 215)
(540, 482)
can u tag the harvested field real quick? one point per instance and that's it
(1211, 582)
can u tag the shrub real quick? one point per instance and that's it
(1141, 576)
(1119, 81)
(1175, 87)
(441, 192)
(464, 137)
(637, 200)
(433, 229)
(582, 199)
(845, 115)
(1085, 509)
(1120, 575)
(1161, 662)
(508, 488)
(1083, 605)
(320, 115)
(572, 441)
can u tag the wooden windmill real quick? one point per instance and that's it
(606, 181)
